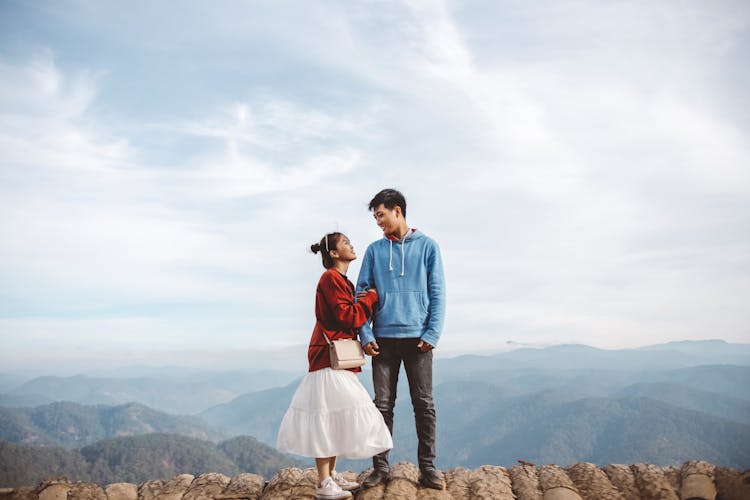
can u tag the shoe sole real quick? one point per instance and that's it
(432, 486)
(340, 497)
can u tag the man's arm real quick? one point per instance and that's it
(436, 293)
(364, 281)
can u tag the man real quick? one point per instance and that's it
(406, 270)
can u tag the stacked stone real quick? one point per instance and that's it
(695, 480)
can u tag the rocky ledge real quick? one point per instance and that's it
(695, 480)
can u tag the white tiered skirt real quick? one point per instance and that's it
(332, 415)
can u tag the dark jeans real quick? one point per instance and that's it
(418, 366)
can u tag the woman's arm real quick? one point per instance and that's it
(346, 313)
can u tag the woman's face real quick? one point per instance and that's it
(345, 250)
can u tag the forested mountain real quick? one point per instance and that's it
(545, 429)
(24, 465)
(137, 459)
(72, 425)
(553, 417)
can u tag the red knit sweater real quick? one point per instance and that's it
(337, 316)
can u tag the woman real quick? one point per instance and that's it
(331, 413)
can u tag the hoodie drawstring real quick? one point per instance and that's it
(390, 259)
(403, 256)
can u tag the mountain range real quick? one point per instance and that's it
(175, 391)
(663, 404)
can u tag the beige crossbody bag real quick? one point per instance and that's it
(345, 353)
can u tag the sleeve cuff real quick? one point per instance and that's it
(365, 336)
(430, 338)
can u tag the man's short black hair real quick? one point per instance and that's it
(390, 199)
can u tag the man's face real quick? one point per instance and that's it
(388, 220)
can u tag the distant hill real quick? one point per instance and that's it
(181, 393)
(138, 458)
(672, 355)
(258, 414)
(718, 405)
(729, 380)
(72, 425)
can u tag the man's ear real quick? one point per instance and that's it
(397, 211)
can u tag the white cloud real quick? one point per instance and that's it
(580, 165)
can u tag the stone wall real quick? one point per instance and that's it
(695, 480)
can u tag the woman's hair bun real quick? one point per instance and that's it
(315, 247)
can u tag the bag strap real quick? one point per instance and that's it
(328, 341)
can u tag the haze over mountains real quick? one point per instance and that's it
(663, 404)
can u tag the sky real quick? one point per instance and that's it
(165, 166)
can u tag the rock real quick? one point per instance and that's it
(556, 485)
(374, 493)
(652, 483)
(86, 491)
(732, 485)
(674, 478)
(206, 486)
(173, 489)
(403, 484)
(491, 482)
(698, 481)
(593, 483)
(244, 486)
(525, 481)
(54, 489)
(24, 493)
(121, 491)
(623, 479)
(292, 483)
(458, 483)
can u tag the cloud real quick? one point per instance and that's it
(583, 166)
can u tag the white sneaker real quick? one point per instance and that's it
(343, 483)
(329, 490)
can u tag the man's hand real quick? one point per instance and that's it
(372, 348)
(365, 292)
(424, 346)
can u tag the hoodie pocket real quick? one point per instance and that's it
(402, 309)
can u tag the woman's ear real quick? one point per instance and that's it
(334, 254)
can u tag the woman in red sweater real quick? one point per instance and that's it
(331, 413)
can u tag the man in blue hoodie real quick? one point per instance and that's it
(406, 270)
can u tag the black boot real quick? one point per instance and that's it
(429, 478)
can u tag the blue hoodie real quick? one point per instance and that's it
(408, 276)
